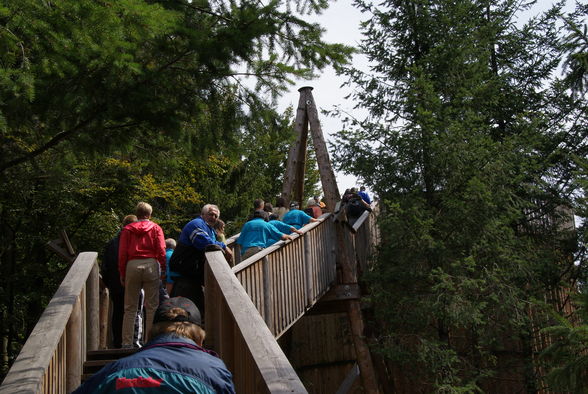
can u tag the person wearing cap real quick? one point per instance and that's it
(297, 218)
(257, 234)
(173, 361)
(312, 208)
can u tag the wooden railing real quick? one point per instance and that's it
(286, 279)
(254, 302)
(236, 330)
(367, 237)
(52, 358)
(248, 306)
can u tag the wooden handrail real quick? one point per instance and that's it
(51, 360)
(286, 279)
(251, 304)
(247, 307)
(241, 337)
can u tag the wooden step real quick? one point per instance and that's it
(96, 359)
(110, 354)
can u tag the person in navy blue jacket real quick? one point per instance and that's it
(174, 361)
(188, 258)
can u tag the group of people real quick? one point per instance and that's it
(356, 202)
(140, 267)
(268, 225)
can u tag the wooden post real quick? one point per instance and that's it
(73, 348)
(268, 296)
(297, 155)
(295, 168)
(348, 276)
(301, 165)
(93, 309)
(309, 290)
(104, 314)
(328, 180)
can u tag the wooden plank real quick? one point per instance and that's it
(268, 295)
(26, 374)
(328, 180)
(74, 356)
(67, 243)
(360, 221)
(93, 309)
(104, 313)
(277, 373)
(342, 292)
(298, 191)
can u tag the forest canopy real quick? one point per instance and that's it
(107, 103)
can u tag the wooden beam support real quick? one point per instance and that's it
(349, 275)
(342, 292)
(307, 114)
(297, 153)
(349, 380)
(328, 180)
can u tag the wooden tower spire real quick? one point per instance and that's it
(293, 187)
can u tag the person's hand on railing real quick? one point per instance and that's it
(228, 255)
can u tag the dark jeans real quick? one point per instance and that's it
(118, 310)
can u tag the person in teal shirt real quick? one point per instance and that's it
(297, 218)
(170, 245)
(257, 234)
(283, 227)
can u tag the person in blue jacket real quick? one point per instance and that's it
(257, 234)
(174, 361)
(297, 218)
(170, 245)
(364, 195)
(188, 258)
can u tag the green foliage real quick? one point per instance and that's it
(576, 46)
(568, 354)
(107, 103)
(476, 149)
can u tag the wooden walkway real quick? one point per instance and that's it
(248, 307)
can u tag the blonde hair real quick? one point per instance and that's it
(143, 210)
(180, 328)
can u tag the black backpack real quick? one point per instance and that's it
(187, 261)
(355, 208)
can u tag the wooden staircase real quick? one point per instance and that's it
(96, 359)
(249, 306)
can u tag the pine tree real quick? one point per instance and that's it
(473, 144)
